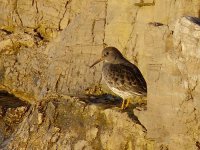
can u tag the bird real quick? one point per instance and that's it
(121, 76)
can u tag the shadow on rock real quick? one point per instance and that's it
(8, 100)
(194, 19)
(104, 100)
(109, 101)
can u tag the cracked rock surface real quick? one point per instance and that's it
(46, 48)
(51, 125)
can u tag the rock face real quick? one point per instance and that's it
(46, 48)
(53, 126)
(173, 100)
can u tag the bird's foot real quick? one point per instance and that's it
(127, 103)
(116, 108)
(123, 102)
(141, 108)
(124, 106)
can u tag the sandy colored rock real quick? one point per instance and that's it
(69, 124)
(46, 48)
(175, 102)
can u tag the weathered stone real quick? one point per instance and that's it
(72, 126)
(46, 48)
(175, 102)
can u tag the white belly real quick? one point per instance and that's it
(122, 94)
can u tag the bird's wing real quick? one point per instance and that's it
(129, 78)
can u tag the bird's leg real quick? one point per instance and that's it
(127, 102)
(122, 106)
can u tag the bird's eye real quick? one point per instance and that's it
(106, 53)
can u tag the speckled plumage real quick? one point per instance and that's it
(121, 76)
(124, 79)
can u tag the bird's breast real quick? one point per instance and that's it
(112, 75)
(114, 80)
(123, 80)
(108, 74)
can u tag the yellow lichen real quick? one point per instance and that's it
(45, 32)
(8, 28)
(96, 90)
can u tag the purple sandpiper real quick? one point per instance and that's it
(121, 76)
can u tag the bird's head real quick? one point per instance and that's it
(110, 55)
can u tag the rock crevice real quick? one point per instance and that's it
(46, 48)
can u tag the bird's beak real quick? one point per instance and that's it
(96, 62)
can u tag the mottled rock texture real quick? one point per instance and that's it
(52, 126)
(46, 48)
